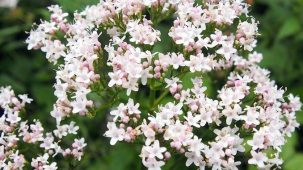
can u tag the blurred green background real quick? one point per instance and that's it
(281, 42)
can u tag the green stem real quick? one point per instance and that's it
(152, 97)
(164, 94)
(110, 102)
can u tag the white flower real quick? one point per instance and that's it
(57, 114)
(257, 142)
(142, 33)
(62, 130)
(119, 112)
(8, 3)
(294, 102)
(195, 145)
(186, 33)
(218, 38)
(146, 75)
(193, 120)
(153, 164)
(155, 151)
(48, 142)
(229, 96)
(149, 133)
(13, 117)
(72, 128)
(227, 50)
(258, 158)
(192, 157)
(251, 116)
(181, 103)
(198, 63)
(54, 50)
(172, 82)
(79, 105)
(177, 60)
(115, 78)
(131, 85)
(6, 95)
(41, 160)
(149, 2)
(79, 143)
(25, 98)
(52, 166)
(116, 134)
(60, 89)
(84, 75)
(232, 113)
(133, 108)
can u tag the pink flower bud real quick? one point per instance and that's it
(157, 69)
(177, 96)
(125, 119)
(173, 89)
(27, 137)
(63, 27)
(9, 129)
(145, 64)
(180, 86)
(167, 155)
(129, 128)
(228, 152)
(238, 83)
(193, 107)
(172, 144)
(122, 126)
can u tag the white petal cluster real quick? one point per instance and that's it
(14, 130)
(142, 33)
(230, 101)
(8, 3)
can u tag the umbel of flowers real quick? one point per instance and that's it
(210, 124)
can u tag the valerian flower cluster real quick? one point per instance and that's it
(246, 113)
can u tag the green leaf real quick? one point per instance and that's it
(4, 32)
(100, 165)
(121, 157)
(275, 58)
(300, 117)
(294, 163)
(165, 45)
(44, 94)
(288, 149)
(6, 80)
(289, 28)
(252, 167)
(299, 37)
(76, 5)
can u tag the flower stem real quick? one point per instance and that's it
(163, 95)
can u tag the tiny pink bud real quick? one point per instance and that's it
(177, 96)
(194, 107)
(180, 86)
(125, 119)
(122, 125)
(167, 155)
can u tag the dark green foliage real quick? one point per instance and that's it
(281, 42)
